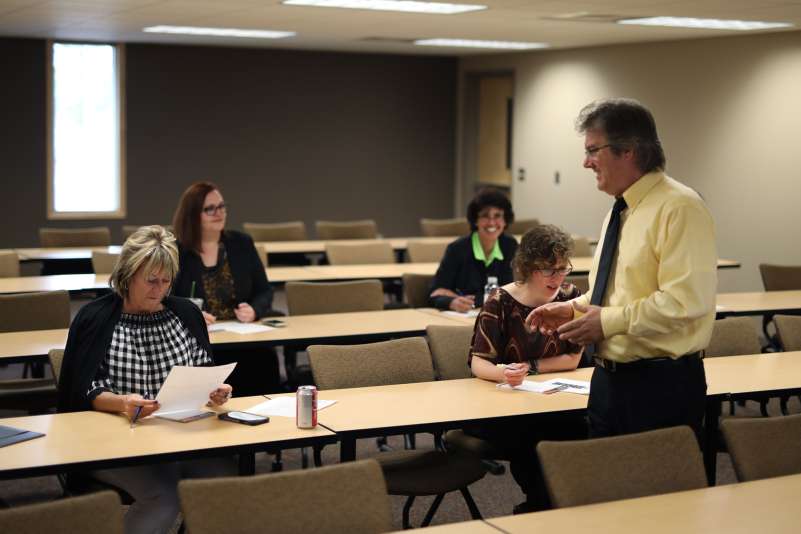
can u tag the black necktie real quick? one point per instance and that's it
(605, 264)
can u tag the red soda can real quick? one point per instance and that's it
(306, 407)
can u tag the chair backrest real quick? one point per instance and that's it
(424, 251)
(399, 361)
(359, 253)
(416, 289)
(75, 237)
(365, 229)
(95, 512)
(449, 348)
(734, 336)
(9, 264)
(621, 467)
(56, 357)
(341, 498)
(521, 226)
(581, 247)
(104, 262)
(286, 231)
(580, 281)
(305, 298)
(34, 311)
(788, 329)
(780, 277)
(444, 227)
(763, 447)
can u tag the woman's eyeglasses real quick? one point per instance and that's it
(550, 273)
(212, 210)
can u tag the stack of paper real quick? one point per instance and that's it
(567, 385)
(186, 390)
(283, 407)
(239, 328)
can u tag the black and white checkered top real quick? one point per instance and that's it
(143, 349)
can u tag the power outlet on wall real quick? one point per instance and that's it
(521, 174)
(556, 177)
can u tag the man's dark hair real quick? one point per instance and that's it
(627, 124)
(489, 197)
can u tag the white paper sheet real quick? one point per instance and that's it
(283, 407)
(580, 387)
(468, 313)
(188, 388)
(239, 328)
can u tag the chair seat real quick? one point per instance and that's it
(428, 472)
(460, 441)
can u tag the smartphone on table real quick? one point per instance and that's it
(244, 418)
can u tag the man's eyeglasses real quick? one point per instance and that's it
(591, 151)
(550, 273)
(211, 210)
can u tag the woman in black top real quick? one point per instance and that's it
(223, 268)
(120, 349)
(469, 261)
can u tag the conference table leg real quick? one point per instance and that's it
(347, 449)
(247, 463)
(713, 410)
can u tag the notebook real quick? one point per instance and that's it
(10, 435)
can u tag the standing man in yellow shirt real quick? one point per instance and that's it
(651, 305)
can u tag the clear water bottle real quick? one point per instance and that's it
(492, 285)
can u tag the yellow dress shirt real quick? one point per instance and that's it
(660, 298)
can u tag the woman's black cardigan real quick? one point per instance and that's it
(90, 336)
(250, 278)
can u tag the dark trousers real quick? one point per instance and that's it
(645, 396)
(256, 371)
(516, 441)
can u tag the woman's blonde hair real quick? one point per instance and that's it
(150, 247)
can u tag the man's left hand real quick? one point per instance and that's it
(584, 330)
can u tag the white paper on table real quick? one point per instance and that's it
(468, 313)
(580, 387)
(187, 388)
(283, 407)
(239, 328)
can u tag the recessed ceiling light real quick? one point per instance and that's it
(219, 32)
(712, 24)
(408, 6)
(468, 43)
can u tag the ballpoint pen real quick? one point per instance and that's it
(137, 413)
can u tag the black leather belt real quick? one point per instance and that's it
(613, 366)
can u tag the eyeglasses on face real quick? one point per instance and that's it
(211, 210)
(591, 151)
(491, 215)
(550, 273)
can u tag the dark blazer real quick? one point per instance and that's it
(461, 272)
(90, 336)
(250, 279)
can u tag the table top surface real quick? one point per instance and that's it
(82, 437)
(769, 505)
(753, 373)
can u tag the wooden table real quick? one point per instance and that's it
(769, 506)
(356, 327)
(758, 303)
(95, 440)
(62, 253)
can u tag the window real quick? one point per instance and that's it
(85, 140)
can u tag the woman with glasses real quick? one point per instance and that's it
(223, 268)
(469, 261)
(503, 350)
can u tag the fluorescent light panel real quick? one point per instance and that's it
(712, 24)
(219, 32)
(407, 6)
(469, 43)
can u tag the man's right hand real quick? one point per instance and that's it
(463, 304)
(548, 317)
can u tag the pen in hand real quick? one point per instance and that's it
(138, 411)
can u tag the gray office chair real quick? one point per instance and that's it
(104, 262)
(764, 447)
(521, 226)
(343, 498)
(285, 231)
(621, 467)
(98, 512)
(581, 247)
(419, 251)
(416, 288)
(75, 237)
(364, 229)
(408, 472)
(379, 252)
(306, 298)
(444, 227)
(9, 264)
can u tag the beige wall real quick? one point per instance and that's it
(728, 114)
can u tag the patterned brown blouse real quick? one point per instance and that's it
(218, 284)
(500, 335)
